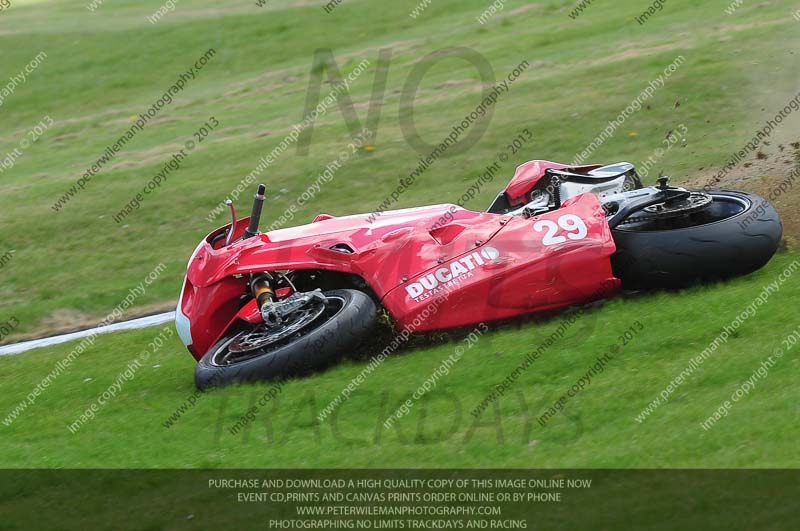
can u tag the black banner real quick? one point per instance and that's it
(399, 499)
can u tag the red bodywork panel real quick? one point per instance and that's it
(475, 266)
(514, 273)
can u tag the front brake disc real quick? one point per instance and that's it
(263, 336)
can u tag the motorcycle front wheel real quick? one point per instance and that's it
(309, 339)
(735, 234)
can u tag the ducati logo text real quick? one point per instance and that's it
(444, 277)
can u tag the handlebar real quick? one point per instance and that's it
(255, 216)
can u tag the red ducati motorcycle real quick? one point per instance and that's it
(269, 305)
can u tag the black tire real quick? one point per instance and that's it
(723, 243)
(313, 349)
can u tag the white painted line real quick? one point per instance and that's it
(142, 322)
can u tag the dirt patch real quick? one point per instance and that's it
(65, 318)
(724, 32)
(454, 83)
(524, 9)
(633, 53)
(763, 174)
(66, 321)
(727, 29)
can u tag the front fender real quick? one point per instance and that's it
(204, 313)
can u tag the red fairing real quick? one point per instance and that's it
(387, 249)
(476, 266)
(520, 270)
(529, 174)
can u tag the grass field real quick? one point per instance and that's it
(598, 428)
(103, 68)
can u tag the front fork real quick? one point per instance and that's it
(272, 311)
(261, 288)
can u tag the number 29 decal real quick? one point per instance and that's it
(569, 224)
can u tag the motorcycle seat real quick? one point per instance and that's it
(601, 174)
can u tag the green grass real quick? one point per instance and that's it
(597, 428)
(104, 68)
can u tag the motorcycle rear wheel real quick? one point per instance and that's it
(347, 319)
(738, 233)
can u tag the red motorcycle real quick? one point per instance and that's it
(263, 306)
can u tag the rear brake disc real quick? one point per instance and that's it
(696, 202)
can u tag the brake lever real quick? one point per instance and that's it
(232, 230)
